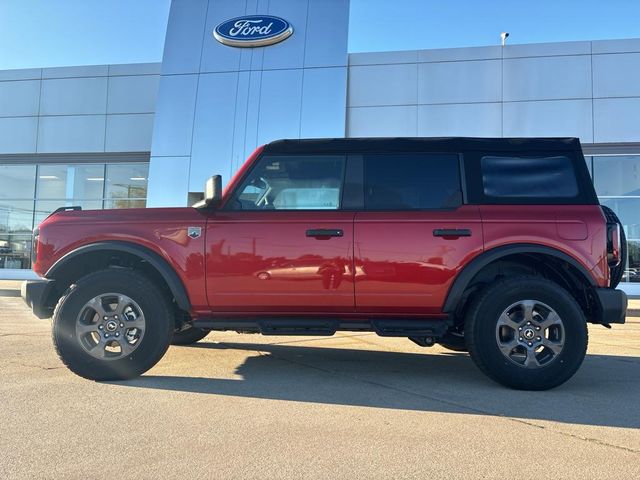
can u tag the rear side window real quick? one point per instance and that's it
(541, 177)
(412, 181)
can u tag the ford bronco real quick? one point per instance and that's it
(498, 247)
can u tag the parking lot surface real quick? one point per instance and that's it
(348, 406)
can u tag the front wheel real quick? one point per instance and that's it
(526, 333)
(113, 324)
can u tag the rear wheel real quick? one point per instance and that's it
(526, 333)
(114, 324)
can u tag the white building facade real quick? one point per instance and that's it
(119, 136)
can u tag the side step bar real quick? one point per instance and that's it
(273, 326)
(328, 326)
(410, 328)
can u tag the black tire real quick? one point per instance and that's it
(616, 273)
(188, 336)
(153, 344)
(454, 341)
(482, 320)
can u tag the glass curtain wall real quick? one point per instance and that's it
(617, 182)
(28, 193)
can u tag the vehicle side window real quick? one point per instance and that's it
(532, 177)
(412, 181)
(292, 182)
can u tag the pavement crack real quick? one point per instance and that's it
(33, 334)
(28, 365)
(450, 403)
(371, 382)
(573, 435)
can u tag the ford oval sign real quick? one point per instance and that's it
(253, 31)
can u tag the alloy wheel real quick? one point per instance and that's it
(110, 326)
(530, 334)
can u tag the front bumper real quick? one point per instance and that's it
(613, 306)
(35, 294)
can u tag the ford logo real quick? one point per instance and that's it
(253, 31)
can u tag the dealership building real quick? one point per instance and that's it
(135, 135)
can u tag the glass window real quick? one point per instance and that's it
(88, 181)
(531, 177)
(412, 181)
(127, 181)
(16, 216)
(617, 175)
(589, 162)
(628, 210)
(44, 208)
(124, 203)
(17, 181)
(70, 181)
(52, 181)
(617, 182)
(15, 251)
(307, 182)
(29, 193)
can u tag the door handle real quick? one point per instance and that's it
(325, 232)
(452, 232)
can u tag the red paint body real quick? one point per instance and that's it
(261, 262)
(401, 267)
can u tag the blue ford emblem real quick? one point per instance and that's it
(253, 31)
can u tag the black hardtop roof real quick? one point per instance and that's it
(421, 144)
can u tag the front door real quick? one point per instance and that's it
(414, 234)
(281, 242)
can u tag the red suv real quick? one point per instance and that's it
(495, 246)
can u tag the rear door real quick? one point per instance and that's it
(414, 234)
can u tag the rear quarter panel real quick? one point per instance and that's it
(576, 230)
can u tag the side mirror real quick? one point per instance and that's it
(212, 192)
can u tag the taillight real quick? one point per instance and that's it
(613, 244)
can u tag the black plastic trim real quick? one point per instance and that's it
(462, 280)
(387, 327)
(325, 232)
(156, 261)
(418, 144)
(451, 232)
(410, 328)
(35, 294)
(353, 188)
(613, 306)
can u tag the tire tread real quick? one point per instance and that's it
(473, 316)
(144, 286)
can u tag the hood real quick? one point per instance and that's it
(128, 215)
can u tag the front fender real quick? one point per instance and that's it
(152, 258)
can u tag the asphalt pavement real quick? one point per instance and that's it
(349, 406)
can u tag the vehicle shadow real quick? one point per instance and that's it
(604, 392)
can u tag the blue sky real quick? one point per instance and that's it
(43, 33)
